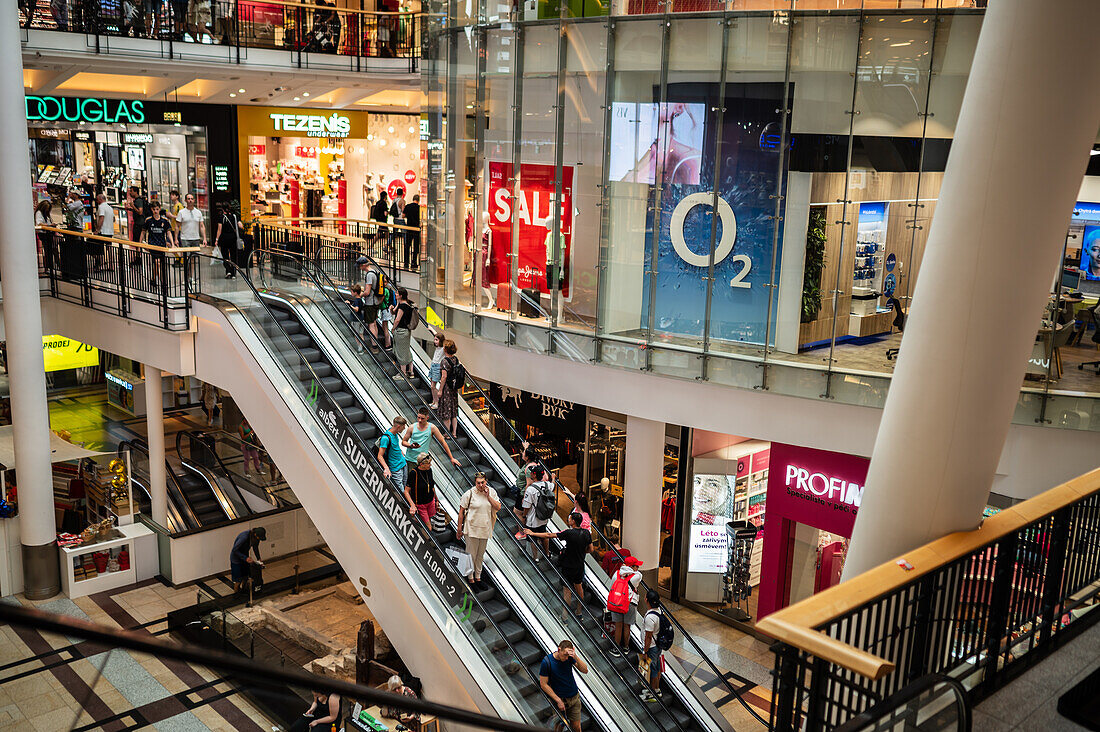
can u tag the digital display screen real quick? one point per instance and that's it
(644, 134)
(1090, 253)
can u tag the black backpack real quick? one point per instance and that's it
(456, 375)
(665, 634)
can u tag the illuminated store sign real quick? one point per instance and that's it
(137, 137)
(73, 109)
(173, 116)
(221, 178)
(313, 125)
(60, 353)
(116, 380)
(825, 486)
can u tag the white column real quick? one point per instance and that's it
(1020, 150)
(19, 269)
(154, 421)
(645, 461)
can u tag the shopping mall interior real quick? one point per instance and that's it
(679, 365)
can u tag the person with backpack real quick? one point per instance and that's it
(557, 681)
(577, 543)
(390, 455)
(524, 477)
(622, 599)
(371, 296)
(540, 501)
(405, 319)
(657, 638)
(452, 376)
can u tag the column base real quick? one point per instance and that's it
(41, 572)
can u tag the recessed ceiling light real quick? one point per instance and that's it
(232, 94)
(305, 94)
(240, 91)
(297, 99)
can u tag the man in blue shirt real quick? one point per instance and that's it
(248, 540)
(557, 681)
(390, 455)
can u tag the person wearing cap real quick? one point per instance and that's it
(623, 621)
(372, 301)
(239, 559)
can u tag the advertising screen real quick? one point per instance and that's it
(1090, 253)
(645, 133)
(711, 509)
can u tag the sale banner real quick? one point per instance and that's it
(534, 217)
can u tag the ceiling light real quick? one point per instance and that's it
(240, 91)
(391, 129)
(232, 94)
(370, 137)
(297, 99)
(412, 130)
(361, 150)
(382, 143)
(895, 45)
(305, 94)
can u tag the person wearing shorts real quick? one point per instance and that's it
(577, 543)
(623, 621)
(560, 685)
(651, 623)
(420, 489)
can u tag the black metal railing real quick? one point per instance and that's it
(933, 702)
(245, 672)
(298, 27)
(336, 243)
(982, 617)
(132, 280)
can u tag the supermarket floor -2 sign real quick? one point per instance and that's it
(60, 353)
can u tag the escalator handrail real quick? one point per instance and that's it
(234, 440)
(611, 546)
(187, 514)
(339, 307)
(245, 278)
(223, 470)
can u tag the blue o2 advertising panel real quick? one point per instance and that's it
(685, 139)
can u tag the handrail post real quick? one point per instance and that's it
(1050, 607)
(921, 635)
(997, 620)
(785, 687)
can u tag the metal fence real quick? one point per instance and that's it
(982, 617)
(273, 24)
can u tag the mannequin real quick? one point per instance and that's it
(487, 259)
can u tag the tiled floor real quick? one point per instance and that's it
(1030, 702)
(50, 683)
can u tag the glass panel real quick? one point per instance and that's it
(582, 174)
(463, 197)
(492, 262)
(679, 163)
(635, 87)
(823, 55)
(436, 219)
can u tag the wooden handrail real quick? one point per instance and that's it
(113, 240)
(797, 624)
(404, 227)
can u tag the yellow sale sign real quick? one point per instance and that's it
(61, 353)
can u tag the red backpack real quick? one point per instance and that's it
(618, 598)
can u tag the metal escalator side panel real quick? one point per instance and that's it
(176, 497)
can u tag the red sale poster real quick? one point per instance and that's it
(534, 214)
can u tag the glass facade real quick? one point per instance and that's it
(735, 191)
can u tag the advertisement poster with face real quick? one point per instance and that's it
(682, 157)
(711, 510)
(535, 218)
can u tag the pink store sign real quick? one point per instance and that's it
(805, 486)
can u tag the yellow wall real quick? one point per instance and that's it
(256, 122)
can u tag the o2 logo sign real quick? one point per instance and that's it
(722, 249)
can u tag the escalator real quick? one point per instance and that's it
(370, 429)
(196, 496)
(480, 646)
(310, 306)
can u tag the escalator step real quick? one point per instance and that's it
(319, 369)
(332, 384)
(355, 415)
(366, 430)
(343, 399)
(301, 340)
(498, 611)
(290, 326)
(529, 652)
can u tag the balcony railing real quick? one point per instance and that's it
(979, 607)
(297, 27)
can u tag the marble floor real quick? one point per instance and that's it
(50, 683)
